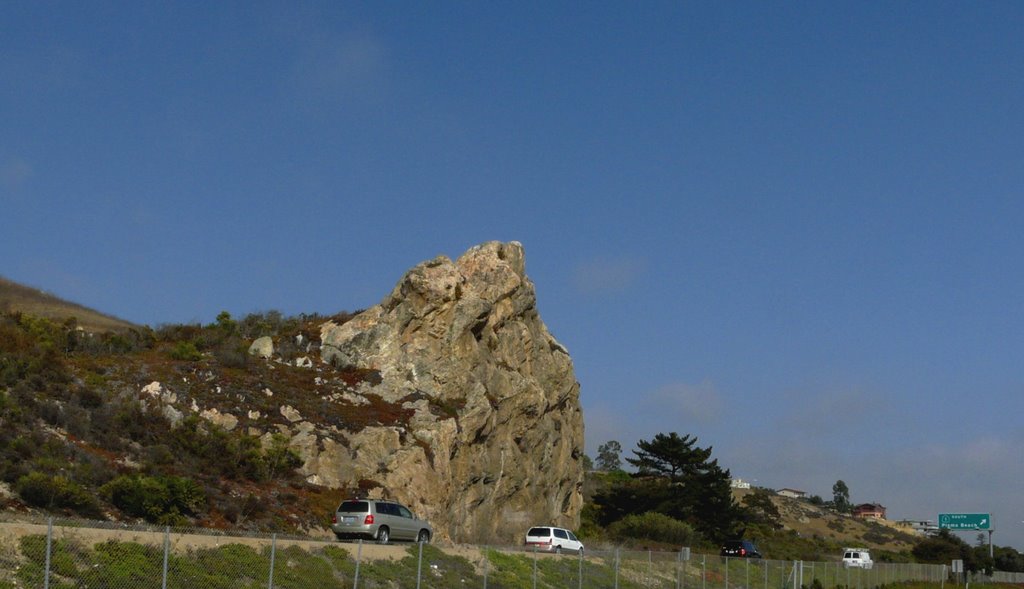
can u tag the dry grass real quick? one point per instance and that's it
(812, 521)
(15, 297)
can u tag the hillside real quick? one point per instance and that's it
(449, 396)
(800, 529)
(266, 421)
(15, 297)
(832, 531)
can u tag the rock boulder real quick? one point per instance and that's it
(495, 439)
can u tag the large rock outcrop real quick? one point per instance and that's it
(495, 439)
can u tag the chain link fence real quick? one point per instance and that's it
(68, 554)
(1004, 577)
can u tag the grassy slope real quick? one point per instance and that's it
(17, 297)
(835, 531)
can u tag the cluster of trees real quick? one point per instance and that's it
(840, 499)
(677, 479)
(945, 547)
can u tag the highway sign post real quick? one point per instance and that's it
(965, 521)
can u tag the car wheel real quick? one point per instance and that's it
(382, 535)
(424, 537)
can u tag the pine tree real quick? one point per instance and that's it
(677, 478)
(608, 456)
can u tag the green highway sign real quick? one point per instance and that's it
(965, 521)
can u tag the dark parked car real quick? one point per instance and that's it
(741, 549)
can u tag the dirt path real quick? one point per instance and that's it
(11, 533)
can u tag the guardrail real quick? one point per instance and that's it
(68, 554)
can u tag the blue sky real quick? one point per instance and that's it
(791, 229)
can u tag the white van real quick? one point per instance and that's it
(552, 539)
(857, 558)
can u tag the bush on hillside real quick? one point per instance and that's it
(232, 352)
(161, 500)
(185, 351)
(656, 527)
(49, 492)
(279, 458)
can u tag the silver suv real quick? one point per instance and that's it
(380, 520)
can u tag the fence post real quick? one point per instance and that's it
(419, 567)
(580, 586)
(679, 576)
(726, 559)
(273, 556)
(359, 557)
(534, 567)
(486, 562)
(650, 566)
(49, 548)
(616, 568)
(167, 550)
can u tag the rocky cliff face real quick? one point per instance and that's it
(495, 439)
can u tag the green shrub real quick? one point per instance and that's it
(655, 526)
(185, 351)
(88, 397)
(232, 353)
(279, 457)
(117, 565)
(46, 491)
(162, 500)
(32, 349)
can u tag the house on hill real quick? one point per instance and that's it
(792, 493)
(869, 510)
(739, 484)
(923, 526)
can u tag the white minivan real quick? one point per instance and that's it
(552, 539)
(857, 558)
